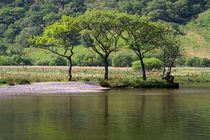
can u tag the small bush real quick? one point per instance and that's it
(87, 59)
(122, 60)
(3, 81)
(193, 62)
(205, 62)
(42, 63)
(180, 61)
(14, 60)
(104, 83)
(6, 61)
(11, 82)
(150, 64)
(22, 81)
(58, 61)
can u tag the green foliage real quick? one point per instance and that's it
(197, 62)
(63, 34)
(150, 64)
(205, 62)
(99, 27)
(178, 11)
(87, 59)
(192, 62)
(58, 61)
(122, 59)
(42, 62)
(101, 32)
(15, 60)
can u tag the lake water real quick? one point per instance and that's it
(133, 114)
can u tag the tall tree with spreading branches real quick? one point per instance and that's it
(99, 32)
(60, 39)
(140, 35)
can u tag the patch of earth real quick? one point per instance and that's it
(52, 88)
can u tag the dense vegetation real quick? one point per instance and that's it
(19, 19)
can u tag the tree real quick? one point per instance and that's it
(99, 33)
(140, 36)
(171, 47)
(60, 39)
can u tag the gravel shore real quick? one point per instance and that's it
(52, 88)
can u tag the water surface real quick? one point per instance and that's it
(157, 114)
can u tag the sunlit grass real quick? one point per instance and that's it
(116, 75)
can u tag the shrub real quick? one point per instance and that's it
(104, 83)
(122, 60)
(17, 59)
(5, 61)
(180, 61)
(58, 61)
(22, 81)
(42, 63)
(205, 62)
(26, 61)
(87, 59)
(193, 62)
(150, 64)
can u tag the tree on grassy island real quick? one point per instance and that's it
(60, 39)
(140, 35)
(99, 32)
(171, 48)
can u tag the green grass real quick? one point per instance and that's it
(197, 36)
(117, 76)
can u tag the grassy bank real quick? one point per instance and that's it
(117, 76)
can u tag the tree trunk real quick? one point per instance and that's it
(164, 71)
(70, 69)
(171, 65)
(106, 66)
(143, 68)
(164, 67)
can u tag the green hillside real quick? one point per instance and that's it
(197, 36)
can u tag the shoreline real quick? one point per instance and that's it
(52, 88)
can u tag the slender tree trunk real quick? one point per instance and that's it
(70, 69)
(171, 65)
(143, 70)
(164, 68)
(142, 67)
(138, 52)
(164, 71)
(106, 66)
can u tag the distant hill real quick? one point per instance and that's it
(197, 36)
